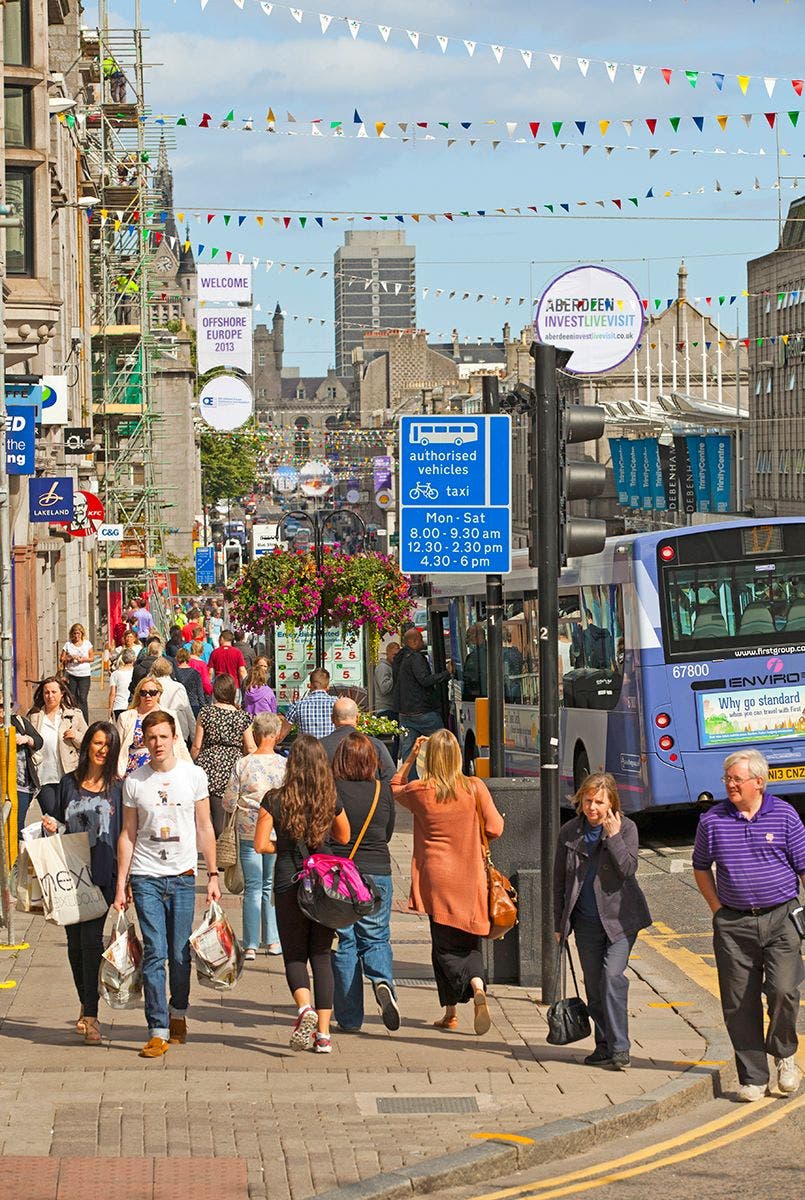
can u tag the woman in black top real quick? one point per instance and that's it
(364, 949)
(305, 811)
(90, 799)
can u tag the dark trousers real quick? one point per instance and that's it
(603, 965)
(756, 955)
(217, 813)
(79, 686)
(46, 798)
(304, 942)
(456, 957)
(84, 950)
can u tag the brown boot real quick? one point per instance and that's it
(178, 1031)
(155, 1047)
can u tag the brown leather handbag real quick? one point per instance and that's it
(502, 896)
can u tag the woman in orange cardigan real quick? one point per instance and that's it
(448, 878)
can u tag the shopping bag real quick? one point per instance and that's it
(217, 952)
(61, 863)
(233, 879)
(226, 848)
(23, 883)
(120, 977)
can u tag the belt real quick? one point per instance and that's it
(756, 912)
(190, 872)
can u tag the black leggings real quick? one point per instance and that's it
(79, 686)
(84, 950)
(304, 942)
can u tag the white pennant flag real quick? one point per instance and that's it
(451, 142)
(627, 125)
(442, 40)
(639, 72)
(470, 47)
(414, 36)
(384, 285)
(239, 3)
(438, 292)
(314, 129)
(498, 52)
(204, 4)
(556, 59)
(324, 21)
(354, 27)
(652, 153)
(612, 70)
(384, 31)
(242, 259)
(397, 289)
(526, 56)
(584, 65)
(267, 8)
(770, 85)
(747, 119)
(425, 293)
(362, 131)
(297, 15)
(403, 126)
(510, 127)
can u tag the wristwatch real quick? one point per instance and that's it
(210, 874)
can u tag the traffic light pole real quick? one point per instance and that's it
(545, 534)
(494, 629)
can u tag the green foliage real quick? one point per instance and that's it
(187, 574)
(228, 464)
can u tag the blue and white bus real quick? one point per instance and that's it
(675, 648)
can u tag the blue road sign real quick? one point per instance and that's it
(455, 494)
(205, 565)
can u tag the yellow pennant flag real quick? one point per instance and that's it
(271, 118)
(180, 217)
(259, 221)
(743, 82)
(380, 126)
(722, 120)
(603, 126)
(415, 217)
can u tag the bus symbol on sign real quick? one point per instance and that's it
(450, 433)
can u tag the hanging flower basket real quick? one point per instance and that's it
(364, 590)
(280, 588)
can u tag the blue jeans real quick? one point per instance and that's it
(363, 949)
(604, 965)
(417, 725)
(259, 919)
(164, 909)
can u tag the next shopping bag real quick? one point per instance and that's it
(61, 863)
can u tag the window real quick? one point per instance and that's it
(18, 116)
(17, 33)
(261, 360)
(20, 242)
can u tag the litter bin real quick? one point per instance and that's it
(516, 958)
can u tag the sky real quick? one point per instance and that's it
(233, 55)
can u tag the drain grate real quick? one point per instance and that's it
(427, 1104)
(423, 983)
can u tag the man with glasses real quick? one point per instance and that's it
(757, 843)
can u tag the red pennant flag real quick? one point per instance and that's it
(534, 127)
(771, 118)
(286, 221)
(617, 203)
(157, 237)
(204, 123)
(229, 256)
(797, 85)
(745, 342)
(666, 73)
(652, 124)
(449, 216)
(645, 304)
(708, 299)
(210, 217)
(422, 124)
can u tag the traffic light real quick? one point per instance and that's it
(579, 480)
(233, 561)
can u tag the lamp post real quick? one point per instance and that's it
(336, 527)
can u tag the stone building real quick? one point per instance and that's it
(267, 349)
(47, 317)
(375, 288)
(172, 276)
(776, 286)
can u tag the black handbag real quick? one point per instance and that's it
(569, 1018)
(332, 891)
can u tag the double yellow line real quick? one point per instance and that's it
(617, 1169)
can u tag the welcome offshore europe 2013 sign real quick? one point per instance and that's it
(224, 333)
(593, 312)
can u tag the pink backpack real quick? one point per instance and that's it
(332, 890)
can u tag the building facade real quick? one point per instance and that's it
(375, 289)
(776, 286)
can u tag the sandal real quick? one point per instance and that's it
(446, 1022)
(80, 1027)
(92, 1032)
(482, 1022)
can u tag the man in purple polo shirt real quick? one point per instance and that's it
(757, 843)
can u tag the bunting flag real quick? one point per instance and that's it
(690, 76)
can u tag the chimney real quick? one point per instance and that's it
(682, 282)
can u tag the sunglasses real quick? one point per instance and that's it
(143, 692)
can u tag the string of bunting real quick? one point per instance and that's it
(420, 40)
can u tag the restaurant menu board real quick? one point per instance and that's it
(295, 658)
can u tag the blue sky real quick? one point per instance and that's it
(226, 58)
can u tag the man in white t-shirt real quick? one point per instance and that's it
(166, 821)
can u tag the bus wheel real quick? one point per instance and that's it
(470, 753)
(581, 767)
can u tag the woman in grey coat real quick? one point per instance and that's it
(597, 895)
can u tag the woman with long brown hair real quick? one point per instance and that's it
(305, 811)
(448, 880)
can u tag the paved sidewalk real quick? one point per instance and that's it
(302, 1124)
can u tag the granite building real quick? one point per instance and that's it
(375, 289)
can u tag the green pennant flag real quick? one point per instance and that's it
(721, 299)
(674, 123)
(464, 214)
(303, 221)
(182, 120)
(695, 344)
(633, 200)
(383, 218)
(793, 117)
(227, 218)
(657, 303)
(780, 298)
(692, 77)
(230, 116)
(336, 124)
(759, 341)
(549, 207)
(557, 126)
(445, 124)
(213, 251)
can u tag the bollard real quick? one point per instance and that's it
(516, 958)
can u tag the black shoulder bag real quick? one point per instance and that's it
(569, 1018)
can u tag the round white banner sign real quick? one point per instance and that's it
(595, 313)
(226, 402)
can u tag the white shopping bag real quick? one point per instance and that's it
(120, 977)
(61, 863)
(216, 950)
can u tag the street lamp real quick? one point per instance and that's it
(339, 528)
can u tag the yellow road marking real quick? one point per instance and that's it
(506, 1137)
(669, 1003)
(16, 946)
(585, 1183)
(9, 983)
(700, 1062)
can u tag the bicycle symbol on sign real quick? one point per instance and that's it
(423, 491)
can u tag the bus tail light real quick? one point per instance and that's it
(666, 742)
(667, 553)
(662, 720)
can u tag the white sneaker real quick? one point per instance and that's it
(789, 1076)
(750, 1092)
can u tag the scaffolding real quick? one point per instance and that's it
(126, 227)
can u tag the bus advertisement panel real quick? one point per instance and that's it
(733, 719)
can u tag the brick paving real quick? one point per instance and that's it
(251, 1113)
